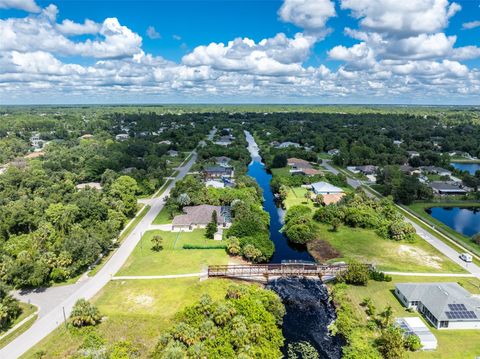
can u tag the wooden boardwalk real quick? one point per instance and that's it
(276, 270)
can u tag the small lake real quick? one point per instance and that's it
(470, 167)
(463, 220)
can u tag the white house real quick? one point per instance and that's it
(445, 305)
(325, 188)
(122, 137)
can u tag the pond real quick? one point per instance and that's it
(470, 167)
(463, 220)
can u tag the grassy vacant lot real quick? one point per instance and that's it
(451, 344)
(420, 207)
(27, 310)
(134, 310)
(366, 245)
(173, 259)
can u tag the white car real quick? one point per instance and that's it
(466, 257)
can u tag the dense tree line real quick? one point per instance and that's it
(49, 230)
(247, 323)
(368, 138)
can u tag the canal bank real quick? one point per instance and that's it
(309, 311)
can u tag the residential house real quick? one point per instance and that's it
(298, 163)
(86, 136)
(215, 184)
(367, 170)
(224, 141)
(325, 188)
(122, 137)
(437, 170)
(397, 142)
(93, 185)
(287, 144)
(412, 154)
(216, 172)
(172, 153)
(307, 172)
(36, 141)
(222, 161)
(334, 152)
(446, 305)
(165, 142)
(447, 188)
(200, 216)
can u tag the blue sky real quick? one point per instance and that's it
(295, 51)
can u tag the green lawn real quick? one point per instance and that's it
(27, 310)
(366, 245)
(284, 171)
(296, 196)
(134, 310)
(163, 217)
(451, 343)
(173, 259)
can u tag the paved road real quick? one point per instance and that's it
(55, 301)
(435, 241)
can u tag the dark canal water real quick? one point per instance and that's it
(470, 167)
(308, 309)
(284, 250)
(463, 220)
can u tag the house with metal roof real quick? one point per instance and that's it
(445, 305)
(325, 188)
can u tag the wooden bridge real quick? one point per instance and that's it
(267, 271)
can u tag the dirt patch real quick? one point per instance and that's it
(420, 255)
(141, 300)
(322, 251)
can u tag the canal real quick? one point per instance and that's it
(309, 311)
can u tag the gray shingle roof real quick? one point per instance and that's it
(201, 215)
(437, 297)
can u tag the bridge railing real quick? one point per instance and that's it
(289, 269)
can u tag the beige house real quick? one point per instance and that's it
(200, 216)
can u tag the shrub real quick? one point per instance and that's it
(212, 246)
(233, 246)
(84, 314)
(380, 276)
(9, 307)
(357, 274)
(391, 343)
(413, 343)
(157, 243)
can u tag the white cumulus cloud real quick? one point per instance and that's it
(27, 5)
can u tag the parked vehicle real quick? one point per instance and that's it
(466, 257)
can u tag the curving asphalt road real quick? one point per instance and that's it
(57, 301)
(434, 240)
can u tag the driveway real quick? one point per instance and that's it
(54, 301)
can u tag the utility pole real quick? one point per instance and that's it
(64, 318)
